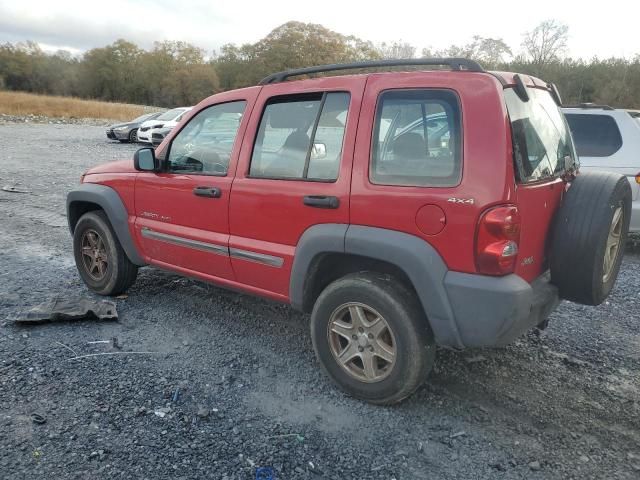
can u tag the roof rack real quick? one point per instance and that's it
(589, 105)
(457, 64)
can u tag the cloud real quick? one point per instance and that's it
(84, 24)
(74, 24)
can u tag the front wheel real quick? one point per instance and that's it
(372, 338)
(100, 259)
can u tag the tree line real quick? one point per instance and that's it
(175, 73)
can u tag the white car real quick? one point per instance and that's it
(167, 119)
(608, 139)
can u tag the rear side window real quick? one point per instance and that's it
(300, 137)
(416, 139)
(542, 144)
(594, 135)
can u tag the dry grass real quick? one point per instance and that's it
(19, 103)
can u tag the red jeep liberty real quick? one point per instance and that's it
(403, 210)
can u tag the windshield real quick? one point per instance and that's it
(141, 118)
(542, 143)
(171, 114)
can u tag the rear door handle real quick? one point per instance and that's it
(321, 201)
(211, 192)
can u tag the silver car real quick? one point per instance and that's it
(128, 132)
(608, 139)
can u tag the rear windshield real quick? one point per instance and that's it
(542, 143)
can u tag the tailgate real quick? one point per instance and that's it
(537, 204)
(542, 150)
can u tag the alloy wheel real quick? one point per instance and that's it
(613, 244)
(94, 255)
(362, 342)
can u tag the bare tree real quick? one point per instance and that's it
(547, 42)
(489, 51)
(397, 49)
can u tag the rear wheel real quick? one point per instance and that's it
(100, 259)
(372, 338)
(590, 232)
(133, 136)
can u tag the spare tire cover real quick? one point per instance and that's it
(589, 236)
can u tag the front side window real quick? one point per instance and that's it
(416, 139)
(594, 135)
(542, 144)
(300, 137)
(204, 145)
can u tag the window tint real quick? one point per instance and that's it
(204, 145)
(416, 140)
(541, 140)
(301, 137)
(594, 135)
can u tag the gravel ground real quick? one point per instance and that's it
(232, 383)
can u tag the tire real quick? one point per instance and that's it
(133, 136)
(579, 252)
(408, 334)
(94, 235)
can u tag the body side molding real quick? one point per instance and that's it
(185, 242)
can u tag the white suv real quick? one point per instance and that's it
(608, 140)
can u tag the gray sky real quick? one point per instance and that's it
(605, 29)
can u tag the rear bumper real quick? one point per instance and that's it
(492, 311)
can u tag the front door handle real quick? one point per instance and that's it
(321, 201)
(211, 192)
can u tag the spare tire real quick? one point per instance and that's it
(589, 237)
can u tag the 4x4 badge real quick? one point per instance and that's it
(465, 201)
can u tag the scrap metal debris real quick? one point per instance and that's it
(14, 189)
(37, 418)
(61, 309)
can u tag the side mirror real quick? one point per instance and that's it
(145, 160)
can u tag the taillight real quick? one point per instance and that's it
(638, 178)
(497, 240)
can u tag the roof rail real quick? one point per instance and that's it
(457, 64)
(589, 105)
